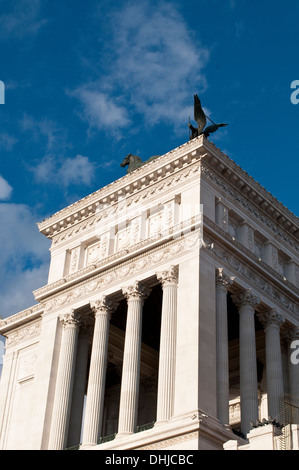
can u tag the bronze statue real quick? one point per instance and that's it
(133, 162)
(201, 119)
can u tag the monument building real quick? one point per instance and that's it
(168, 319)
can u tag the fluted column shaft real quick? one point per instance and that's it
(293, 338)
(272, 321)
(222, 359)
(64, 383)
(248, 367)
(102, 309)
(131, 360)
(74, 434)
(168, 336)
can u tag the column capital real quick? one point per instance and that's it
(223, 279)
(245, 298)
(168, 276)
(103, 306)
(136, 291)
(71, 319)
(271, 317)
(292, 334)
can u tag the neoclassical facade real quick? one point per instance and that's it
(168, 318)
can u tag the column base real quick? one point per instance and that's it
(87, 446)
(123, 434)
(161, 423)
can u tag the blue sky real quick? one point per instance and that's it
(86, 83)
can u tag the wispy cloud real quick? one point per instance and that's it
(7, 141)
(24, 261)
(22, 19)
(152, 66)
(64, 172)
(5, 189)
(100, 110)
(54, 137)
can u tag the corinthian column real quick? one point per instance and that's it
(64, 382)
(293, 338)
(222, 361)
(271, 321)
(167, 356)
(135, 296)
(102, 309)
(246, 303)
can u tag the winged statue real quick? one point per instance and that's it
(201, 119)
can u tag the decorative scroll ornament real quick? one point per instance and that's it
(223, 279)
(103, 306)
(136, 291)
(72, 319)
(270, 317)
(246, 298)
(168, 276)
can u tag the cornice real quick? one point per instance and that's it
(117, 259)
(235, 176)
(253, 272)
(199, 149)
(21, 318)
(125, 186)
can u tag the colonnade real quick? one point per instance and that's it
(271, 320)
(103, 309)
(72, 369)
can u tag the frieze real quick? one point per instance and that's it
(161, 238)
(170, 163)
(255, 257)
(249, 275)
(23, 333)
(244, 202)
(124, 205)
(28, 314)
(169, 251)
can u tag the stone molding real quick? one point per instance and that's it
(178, 231)
(129, 184)
(234, 181)
(169, 251)
(252, 275)
(22, 334)
(238, 178)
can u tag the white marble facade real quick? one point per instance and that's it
(171, 304)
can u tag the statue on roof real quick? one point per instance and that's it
(134, 162)
(201, 119)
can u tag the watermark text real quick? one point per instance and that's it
(2, 92)
(295, 94)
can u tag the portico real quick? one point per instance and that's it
(172, 297)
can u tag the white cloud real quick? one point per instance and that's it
(24, 257)
(65, 172)
(78, 170)
(100, 110)
(153, 63)
(5, 189)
